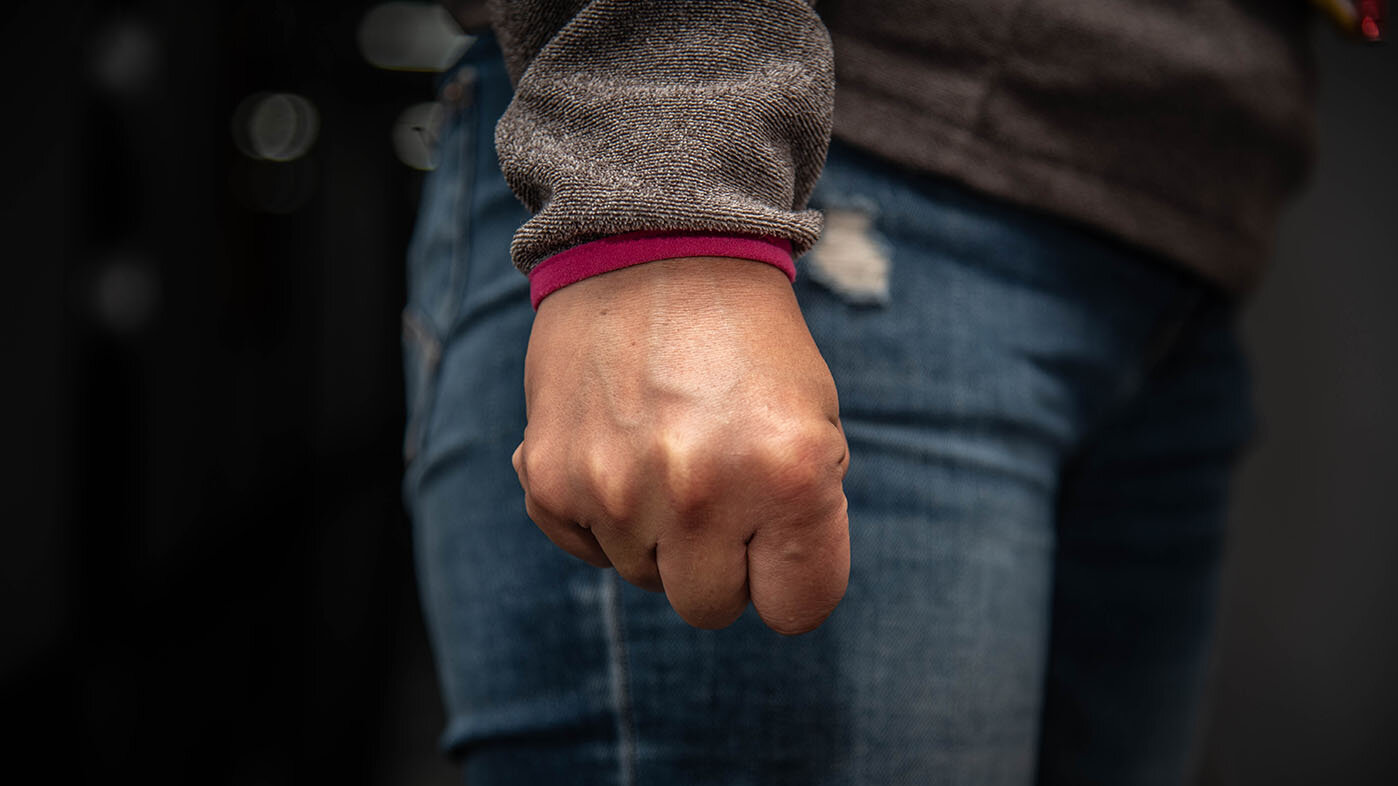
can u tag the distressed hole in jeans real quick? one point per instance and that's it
(850, 260)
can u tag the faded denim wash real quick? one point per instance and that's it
(1042, 424)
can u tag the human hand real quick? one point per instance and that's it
(683, 428)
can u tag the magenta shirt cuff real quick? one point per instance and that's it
(634, 248)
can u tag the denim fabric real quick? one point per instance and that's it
(1042, 423)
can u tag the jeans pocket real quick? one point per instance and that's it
(438, 255)
(439, 250)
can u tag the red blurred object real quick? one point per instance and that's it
(1372, 16)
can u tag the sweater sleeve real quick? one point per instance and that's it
(656, 119)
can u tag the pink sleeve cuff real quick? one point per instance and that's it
(634, 248)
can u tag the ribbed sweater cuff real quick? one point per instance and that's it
(634, 248)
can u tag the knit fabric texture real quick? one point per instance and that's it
(652, 115)
(1177, 127)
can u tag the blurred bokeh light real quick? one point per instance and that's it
(415, 134)
(275, 126)
(126, 58)
(410, 37)
(125, 294)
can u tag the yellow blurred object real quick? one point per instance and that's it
(1341, 12)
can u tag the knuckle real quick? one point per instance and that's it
(536, 514)
(644, 576)
(710, 617)
(689, 467)
(802, 460)
(530, 461)
(612, 482)
(547, 489)
(792, 619)
(799, 479)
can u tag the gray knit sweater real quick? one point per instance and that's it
(1176, 126)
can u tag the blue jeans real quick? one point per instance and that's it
(1042, 423)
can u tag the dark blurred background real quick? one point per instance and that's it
(205, 566)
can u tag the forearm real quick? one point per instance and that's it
(647, 115)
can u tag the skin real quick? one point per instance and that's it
(684, 429)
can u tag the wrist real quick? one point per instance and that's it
(621, 251)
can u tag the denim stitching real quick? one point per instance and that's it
(621, 680)
(466, 178)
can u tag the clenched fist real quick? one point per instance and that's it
(684, 429)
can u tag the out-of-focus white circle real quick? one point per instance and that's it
(411, 37)
(275, 126)
(125, 294)
(126, 57)
(414, 135)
